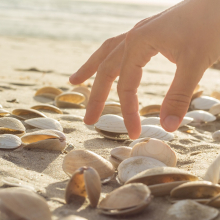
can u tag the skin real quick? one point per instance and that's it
(187, 34)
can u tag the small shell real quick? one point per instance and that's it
(27, 113)
(139, 140)
(112, 108)
(72, 117)
(216, 95)
(191, 210)
(216, 135)
(9, 141)
(134, 165)
(155, 131)
(204, 102)
(45, 123)
(186, 121)
(150, 110)
(48, 92)
(156, 149)
(84, 182)
(85, 91)
(1, 106)
(11, 126)
(47, 107)
(201, 116)
(4, 112)
(151, 121)
(215, 109)
(126, 200)
(196, 95)
(20, 203)
(70, 100)
(79, 158)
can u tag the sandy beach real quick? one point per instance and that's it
(42, 169)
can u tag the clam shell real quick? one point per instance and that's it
(155, 131)
(195, 190)
(47, 107)
(20, 203)
(70, 100)
(9, 141)
(129, 199)
(204, 102)
(112, 108)
(216, 95)
(196, 94)
(162, 175)
(79, 158)
(215, 109)
(150, 110)
(186, 121)
(134, 165)
(48, 92)
(11, 126)
(139, 140)
(216, 135)
(45, 123)
(201, 116)
(84, 182)
(1, 106)
(4, 112)
(151, 121)
(27, 113)
(197, 88)
(191, 210)
(156, 149)
(72, 117)
(85, 91)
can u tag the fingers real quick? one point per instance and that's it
(91, 66)
(136, 55)
(106, 74)
(177, 100)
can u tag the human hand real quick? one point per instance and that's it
(187, 34)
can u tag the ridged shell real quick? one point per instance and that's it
(201, 116)
(70, 100)
(129, 199)
(47, 107)
(204, 102)
(215, 109)
(84, 182)
(112, 108)
(48, 92)
(162, 175)
(79, 158)
(156, 149)
(216, 135)
(11, 126)
(134, 165)
(195, 190)
(4, 112)
(45, 123)
(9, 141)
(155, 131)
(20, 203)
(85, 91)
(151, 121)
(150, 110)
(72, 117)
(27, 113)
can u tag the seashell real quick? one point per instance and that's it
(48, 92)
(186, 121)
(112, 108)
(195, 190)
(156, 149)
(85, 91)
(155, 131)
(204, 102)
(112, 127)
(126, 200)
(70, 100)
(215, 109)
(20, 203)
(201, 116)
(215, 95)
(11, 126)
(84, 182)
(47, 107)
(27, 113)
(79, 158)
(9, 141)
(72, 117)
(191, 210)
(139, 140)
(151, 121)
(216, 135)
(45, 139)
(119, 154)
(73, 217)
(134, 165)
(4, 112)
(150, 110)
(1, 106)
(196, 94)
(197, 88)
(45, 123)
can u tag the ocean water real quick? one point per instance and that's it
(70, 19)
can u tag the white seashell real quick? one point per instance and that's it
(138, 141)
(48, 92)
(4, 112)
(185, 121)
(215, 109)
(0, 106)
(47, 107)
(112, 108)
(216, 135)
(72, 117)
(151, 121)
(200, 116)
(204, 102)
(9, 141)
(134, 165)
(155, 131)
(45, 123)
(85, 91)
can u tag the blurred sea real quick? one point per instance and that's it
(71, 19)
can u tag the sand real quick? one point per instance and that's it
(42, 169)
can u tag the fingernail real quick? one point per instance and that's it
(171, 122)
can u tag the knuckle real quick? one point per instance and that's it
(109, 44)
(178, 101)
(105, 70)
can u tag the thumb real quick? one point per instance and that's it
(177, 99)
